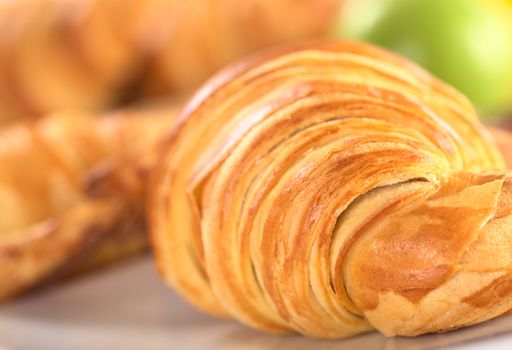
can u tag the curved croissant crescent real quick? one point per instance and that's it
(64, 205)
(331, 188)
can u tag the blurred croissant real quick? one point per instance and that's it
(503, 138)
(92, 54)
(332, 188)
(72, 193)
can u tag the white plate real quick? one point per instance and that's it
(128, 307)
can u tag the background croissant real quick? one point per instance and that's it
(92, 54)
(331, 188)
(72, 190)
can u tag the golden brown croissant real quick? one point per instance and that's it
(92, 54)
(64, 207)
(332, 188)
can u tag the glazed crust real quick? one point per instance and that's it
(330, 188)
(65, 207)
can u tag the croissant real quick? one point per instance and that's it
(59, 54)
(93, 55)
(64, 206)
(332, 188)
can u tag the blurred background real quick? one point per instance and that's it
(466, 43)
(98, 55)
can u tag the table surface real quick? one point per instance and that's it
(128, 307)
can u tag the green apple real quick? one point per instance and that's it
(467, 43)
